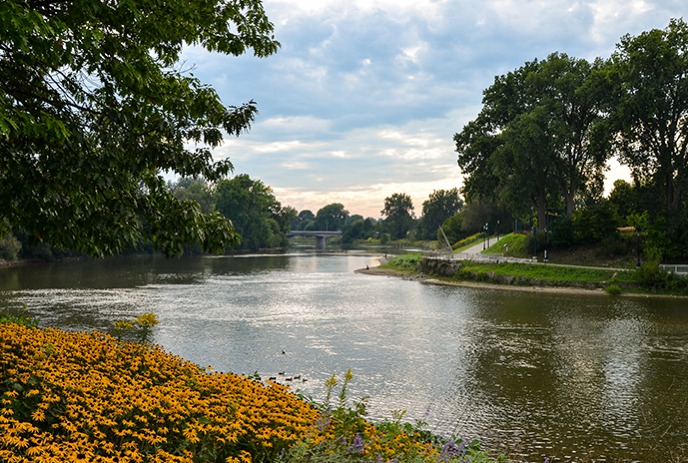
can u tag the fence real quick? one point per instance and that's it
(677, 269)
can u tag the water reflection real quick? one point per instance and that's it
(585, 377)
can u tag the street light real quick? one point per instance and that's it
(535, 243)
(498, 231)
(487, 229)
(484, 227)
(545, 245)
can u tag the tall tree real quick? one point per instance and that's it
(651, 76)
(399, 214)
(541, 131)
(440, 205)
(331, 217)
(94, 105)
(254, 212)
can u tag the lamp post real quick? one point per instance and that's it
(484, 237)
(535, 243)
(637, 232)
(487, 229)
(498, 231)
(545, 245)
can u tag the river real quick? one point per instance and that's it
(535, 375)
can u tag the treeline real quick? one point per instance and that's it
(547, 130)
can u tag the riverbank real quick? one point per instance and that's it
(532, 278)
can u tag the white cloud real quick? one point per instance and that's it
(277, 146)
(364, 96)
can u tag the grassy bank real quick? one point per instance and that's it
(78, 397)
(649, 279)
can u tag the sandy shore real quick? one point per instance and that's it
(409, 275)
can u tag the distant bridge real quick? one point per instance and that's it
(319, 236)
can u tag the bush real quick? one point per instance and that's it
(9, 247)
(561, 234)
(594, 224)
(613, 290)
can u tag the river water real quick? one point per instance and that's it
(535, 375)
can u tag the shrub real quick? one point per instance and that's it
(613, 290)
(9, 247)
(595, 223)
(561, 234)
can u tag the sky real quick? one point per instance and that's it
(363, 98)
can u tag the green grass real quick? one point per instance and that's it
(405, 261)
(544, 272)
(516, 244)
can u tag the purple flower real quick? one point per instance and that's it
(358, 445)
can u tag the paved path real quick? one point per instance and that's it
(474, 253)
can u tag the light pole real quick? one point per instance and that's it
(484, 237)
(545, 245)
(535, 243)
(637, 232)
(487, 229)
(498, 231)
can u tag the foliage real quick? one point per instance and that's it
(540, 132)
(142, 326)
(399, 214)
(624, 198)
(652, 277)
(331, 217)
(193, 189)
(562, 234)
(19, 319)
(406, 261)
(359, 230)
(439, 207)
(479, 212)
(302, 219)
(94, 106)
(453, 229)
(9, 247)
(65, 396)
(343, 434)
(614, 290)
(650, 108)
(594, 224)
(254, 211)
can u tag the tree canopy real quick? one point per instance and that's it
(399, 214)
(541, 132)
(651, 107)
(440, 205)
(331, 217)
(94, 105)
(255, 212)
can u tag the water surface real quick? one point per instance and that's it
(584, 377)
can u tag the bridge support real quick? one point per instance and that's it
(319, 243)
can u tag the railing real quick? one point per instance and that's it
(681, 270)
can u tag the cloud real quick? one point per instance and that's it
(364, 96)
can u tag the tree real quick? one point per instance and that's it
(191, 189)
(440, 205)
(301, 220)
(94, 105)
(254, 212)
(399, 214)
(541, 132)
(331, 217)
(651, 107)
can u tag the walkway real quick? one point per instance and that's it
(475, 254)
